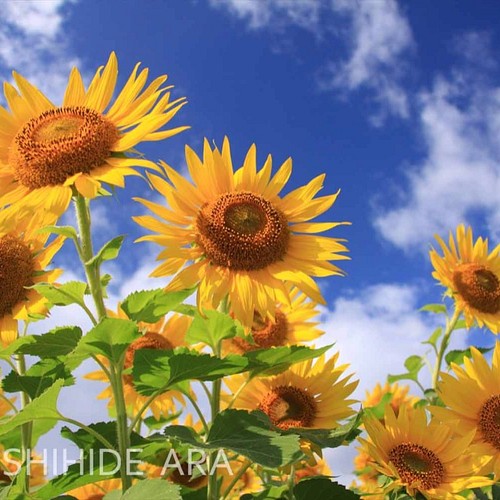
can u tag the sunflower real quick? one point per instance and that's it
(6, 404)
(309, 394)
(47, 149)
(292, 324)
(473, 403)
(472, 277)
(248, 483)
(96, 491)
(398, 396)
(10, 466)
(165, 334)
(24, 257)
(236, 236)
(320, 468)
(421, 456)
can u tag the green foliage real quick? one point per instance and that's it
(66, 294)
(211, 328)
(58, 342)
(434, 308)
(109, 251)
(67, 231)
(151, 305)
(322, 487)
(152, 489)
(458, 356)
(248, 434)
(413, 364)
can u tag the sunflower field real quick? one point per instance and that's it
(214, 384)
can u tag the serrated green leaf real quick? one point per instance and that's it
(66, 294)
(248, 434)
(211, 328)
(457, 356)
(58, 342)
(321, 487)
(109, 251)
(151, 489)
(110, 338)
(152, 305)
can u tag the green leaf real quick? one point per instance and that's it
(38, 378)
(151, 305)
(109, 251)
(58, 342)
(152, 489)
(68, 293)
(272, 493)
(67, 231)
(321, 487)
(211, 328)
(277, 359)
(432, 340)
(155, 371)
(43, 407)
(248, 434)
(413, 364)
(434, 308)
(110, 338)
(458, 356)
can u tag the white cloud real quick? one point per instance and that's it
(375, 331)
(459, 175)
(33, 41)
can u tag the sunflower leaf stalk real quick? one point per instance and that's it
(27, 428)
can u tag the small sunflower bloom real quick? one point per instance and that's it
(310, 394)
(421, 456)
(399, 396)
(472, 276)
(24, 258)
(46, 150)
(166, 334)
(232, 234)
(472, 398)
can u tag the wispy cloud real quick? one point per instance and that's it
(33, 41)
(459, 175)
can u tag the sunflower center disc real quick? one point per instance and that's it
(59, 143)
(242, 231)
(479, 287)
(16, 271)
(415, 463)
(489, 421)
(265, 333)
(150, 340)
(289, 406)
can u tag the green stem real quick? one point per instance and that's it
(92, 271)
(291, 483)
(450, 325)
(236, 478)
(237, 393)
(26, 429)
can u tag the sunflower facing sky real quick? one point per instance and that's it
(46, 149)
(421, 456)
(473, 403)
(309, 394)
(24, 257)
(472, 277)
(163, 335)
(233, 235)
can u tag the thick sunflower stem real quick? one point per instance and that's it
(92, 271)
(26, 429)
(444, 345)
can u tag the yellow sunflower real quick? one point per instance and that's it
(47, 149)
(10, 464)
(309, 394)
(6, 404)
(473, 403)
(292, 325)
(24, 257)
(237, 236)
(399, 396)
(472, 277)
(96, 491)
(165, 334)
(421, 456)
(248, 483)
(320, 468)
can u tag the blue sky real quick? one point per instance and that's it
(398, 102)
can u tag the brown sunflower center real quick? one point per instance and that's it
(479, 287)
(242, 231)
(489, 421)
(289, 406)
(187, 479)
(4, 478)
(150, 340)
(59, 143)
(417, 464)
(16, 272)
(265, 333)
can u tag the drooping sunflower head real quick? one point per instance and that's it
(237, 236)
(24, 258)
(45, 149)
(472, 277)
(472, 399)
(309, 394)
(421, 456)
